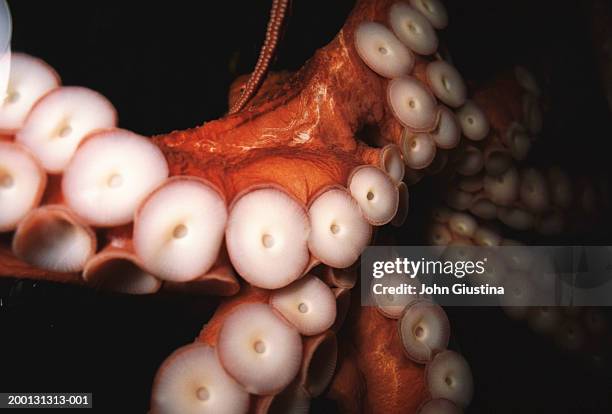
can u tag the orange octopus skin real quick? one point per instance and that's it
(373, 374)
(376, 376)
(394, 384)
(300, 136)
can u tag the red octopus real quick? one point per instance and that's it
(272, 206)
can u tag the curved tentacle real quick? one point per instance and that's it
(273, 32)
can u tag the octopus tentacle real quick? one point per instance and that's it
(325, 168)
(279, 365)
(384, 366)
(516, 271)
(277, 16)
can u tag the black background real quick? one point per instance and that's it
(168, 65)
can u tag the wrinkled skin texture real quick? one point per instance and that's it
(299, 134)
(384, 366)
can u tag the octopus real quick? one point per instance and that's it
(271, 206)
